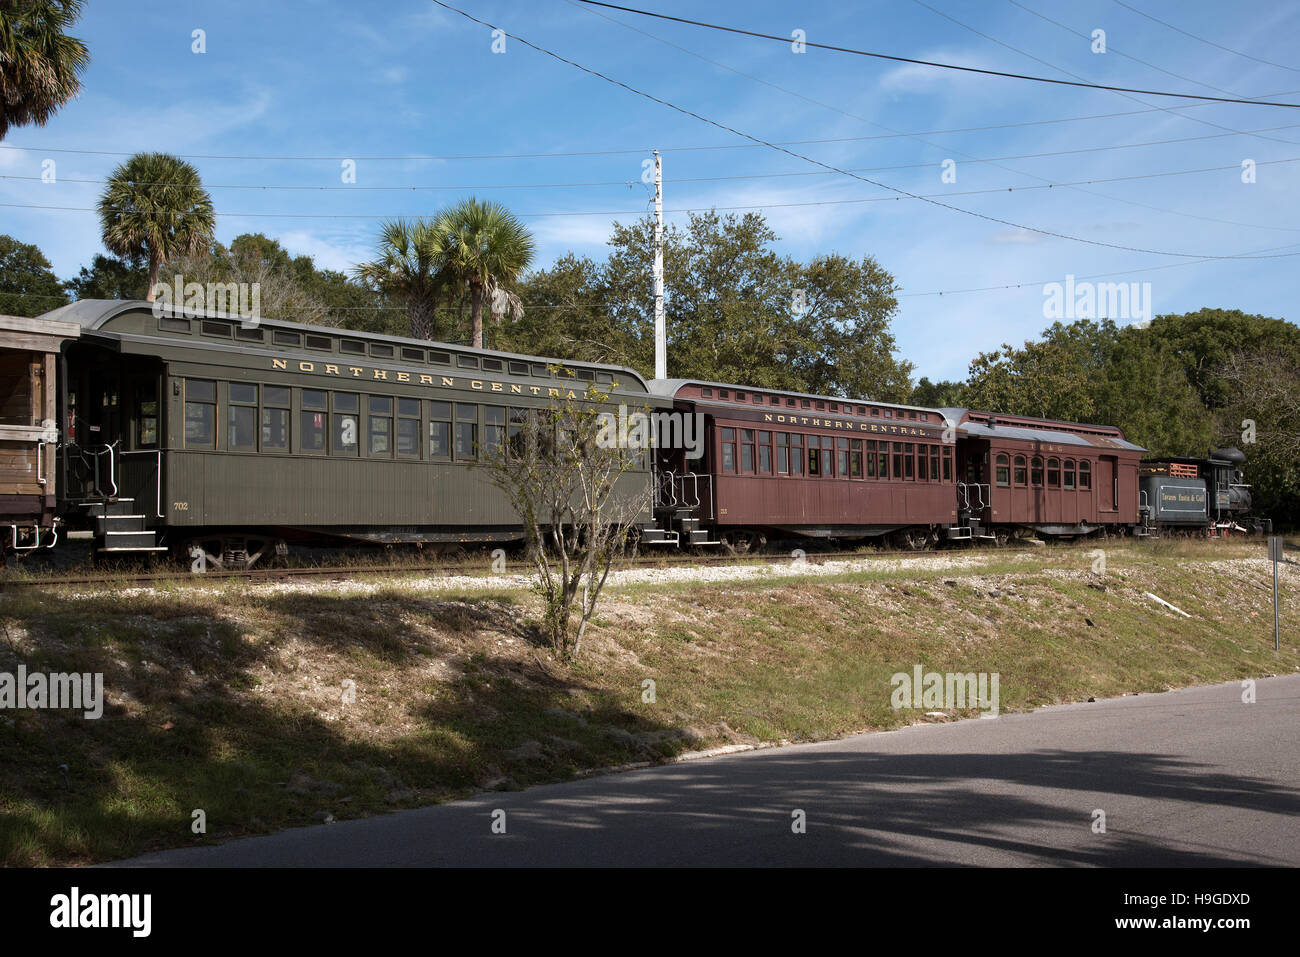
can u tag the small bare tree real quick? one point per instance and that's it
(561, 468)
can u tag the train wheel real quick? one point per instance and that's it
(912, 539)
(1001, 536)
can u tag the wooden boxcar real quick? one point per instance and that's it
(29, 352)
(236, 437)
(1019, 474)
(798, 465)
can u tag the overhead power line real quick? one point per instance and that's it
(808, 159)
(1220, 46)
(931, 63)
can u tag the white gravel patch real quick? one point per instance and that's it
(631, 576)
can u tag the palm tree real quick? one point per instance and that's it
(409, 267)
(486, 249)
(154, 207)
(39, 65)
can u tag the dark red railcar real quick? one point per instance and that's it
(791, 464)
(1062, 479)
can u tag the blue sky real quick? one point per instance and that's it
(293, 89)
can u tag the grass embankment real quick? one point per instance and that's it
(230, 698)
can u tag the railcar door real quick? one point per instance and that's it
(1108, 484)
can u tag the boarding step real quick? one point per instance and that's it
(959, 533)
(120, 541)
(119, 523)
(112, 506)
(700, 536)
(653, 535)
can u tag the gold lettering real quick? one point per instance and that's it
(571, 395)
(380, 374)
(403, 377)
(306, 367)
(278, 364)
(516, 389)
(355, 370)
(476, 384)
(533, 389)
(553, 393)
(331, 369)
(448, 381)
(767, 417)
(426, 380)
(496, 386)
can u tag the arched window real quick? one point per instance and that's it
(1085, 474)
(1036, 471)
(1069, 474)
(1053, 473)
(1003, 471)
(1022, 476)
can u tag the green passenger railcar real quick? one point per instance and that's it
(241, 436)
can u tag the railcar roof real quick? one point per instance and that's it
(93, 314)
(670, 388)
(1045, 435)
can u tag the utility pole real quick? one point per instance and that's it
(661, 335)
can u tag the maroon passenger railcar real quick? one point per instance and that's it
(1062, 479)
(798, 465)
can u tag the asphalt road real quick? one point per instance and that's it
(1189, 778)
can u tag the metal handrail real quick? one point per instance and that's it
(158, 485)
(40, 461)
(97, 453)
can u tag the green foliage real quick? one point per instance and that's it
(485, 249)
(938, 395)
(28, 287)
(735, 310)
(409, 268)
(40, 65)
(110, 277)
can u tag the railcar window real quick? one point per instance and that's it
(347, 408)
(947, 465)
(746, 449)
(855, 459)
(380, 351)
(922, 466)
(728, 450)
(1021, 474)
(814, 459)
(789, 403)
(519, 368)
(494, 427)
(496, 365)
(796, 454)
(253, 335)
(871, 458)
(1053, 473)
(783, 453)
(379, 424)
(934, 463)
(907, 461)
(352, 346)
(320, 342)
(827, 456)
(706, 393)
(518, 419)
(200, 413)
(242, 416)
(1069, 473)
(275, 418)
(467, 362)
(765, 452)
(466, 432)
(842, 457)
(1085, 474)
(1003, 471)
(440, 431)
(311, 421)
(282, 338)
(440, 358)
(1036, 472)
(412, 355)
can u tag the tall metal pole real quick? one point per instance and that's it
(661, 336)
